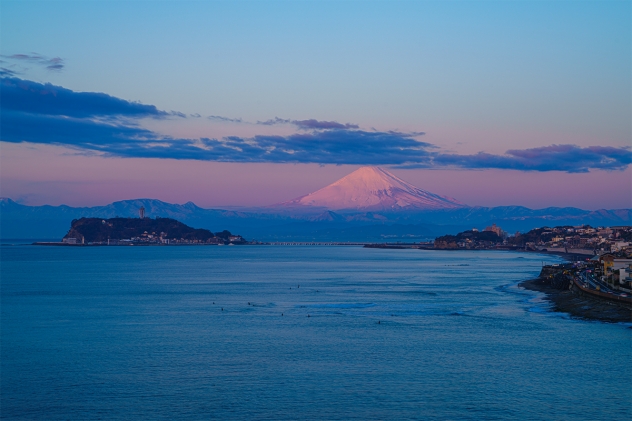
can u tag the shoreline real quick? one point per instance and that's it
(569, 257)
(579, 306)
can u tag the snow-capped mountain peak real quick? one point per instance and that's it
(373, 188)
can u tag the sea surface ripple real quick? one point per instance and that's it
(285, 333)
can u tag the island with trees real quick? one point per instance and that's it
(469, 240)
(142, 231)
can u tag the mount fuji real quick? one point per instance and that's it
(373, 189)
(369, 204)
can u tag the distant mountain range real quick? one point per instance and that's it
(52, 222)
(367, 205)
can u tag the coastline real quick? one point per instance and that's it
(580, 306)
(569, 257)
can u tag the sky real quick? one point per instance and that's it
(253, 103)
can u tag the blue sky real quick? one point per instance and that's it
(478, 78)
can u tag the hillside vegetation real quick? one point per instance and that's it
(100, 230)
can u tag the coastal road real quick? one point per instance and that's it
(592, 282)
(589, 279)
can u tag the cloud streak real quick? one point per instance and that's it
(4, 72)
(47, 114)
(310, 124)
(225, 119)
(54, 64)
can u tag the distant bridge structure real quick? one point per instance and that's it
(313, 243)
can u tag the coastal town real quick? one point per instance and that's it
(595, 283)
(583, 240)
(604, 254)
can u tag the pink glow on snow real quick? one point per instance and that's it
(373, 188)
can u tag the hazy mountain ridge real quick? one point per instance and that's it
(21, 221)
(369, 204)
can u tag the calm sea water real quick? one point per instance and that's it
(227, 333)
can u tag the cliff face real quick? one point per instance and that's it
(100, 230)
(73, 233)
(446, 244)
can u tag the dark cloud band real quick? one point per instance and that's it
(567, 158)
(20, 95)
(47, 114)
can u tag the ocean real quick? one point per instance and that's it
(288, 333)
